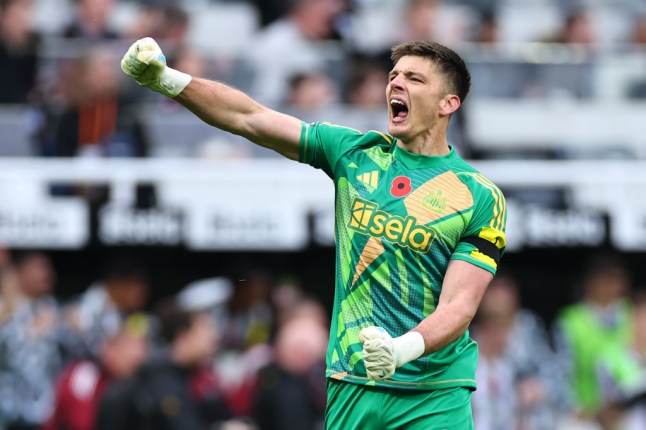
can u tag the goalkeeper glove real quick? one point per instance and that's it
(382, 354)
(145, 62)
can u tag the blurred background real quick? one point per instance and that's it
(156, 273)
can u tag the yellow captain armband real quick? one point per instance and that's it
(484, 247)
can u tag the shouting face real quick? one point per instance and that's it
(418, 98)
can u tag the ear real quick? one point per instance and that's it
(449, 104)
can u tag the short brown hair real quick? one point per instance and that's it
(448, 61)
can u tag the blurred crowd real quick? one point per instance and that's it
(302, 55)
(220, 353)
(248, 352)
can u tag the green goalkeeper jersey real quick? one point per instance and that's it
(400, 218)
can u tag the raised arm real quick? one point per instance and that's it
(229, 109)
(215, 103)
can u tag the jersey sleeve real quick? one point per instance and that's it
(322, 144)
(484, 239)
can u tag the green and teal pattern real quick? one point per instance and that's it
(399, 221)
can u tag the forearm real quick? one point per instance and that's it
(218, 105)
(462, 291)
(439, 329)
(444, 326)
(215, 103)
(231, 110)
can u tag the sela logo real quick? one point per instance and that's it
(368, 219)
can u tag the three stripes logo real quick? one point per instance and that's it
(371, 178)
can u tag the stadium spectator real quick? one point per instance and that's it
(93, 117)
(91, 21)
(290, 394)
(599, 320)
(250, 316)
(637, 35)
(387, 282)
(286, 294)
(176, 390)
(364, 94)
(167, 22)
(33, 345)
(366, 83)
(423, 20)
(577, 28)
(19, 45)
(309, 91)
(9, 289)
(82, 384)
(487, 30)
(245, 336)
(520, 386)
(302, 32)
(102, 309)
(637, 40)
(622, 376)
(209, 295)
(419, 21)
(290, 301)
(496, 401)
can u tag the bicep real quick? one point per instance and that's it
(231, 110)
(274, 130)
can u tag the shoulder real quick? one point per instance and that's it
(478, 183)
(469, 174)
(349, 135)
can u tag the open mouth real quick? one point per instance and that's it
(398, 109)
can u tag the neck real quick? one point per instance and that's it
(431, 141)
(426, 146)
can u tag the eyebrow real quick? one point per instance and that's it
(407, 73)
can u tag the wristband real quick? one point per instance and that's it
(172, 82)
(408, 347)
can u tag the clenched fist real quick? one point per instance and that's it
(145, 63)
(382, 353)
(378, 352)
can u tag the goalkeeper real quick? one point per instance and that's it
(419, 235)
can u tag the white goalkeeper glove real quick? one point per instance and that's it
(145, 62)
(382, 353)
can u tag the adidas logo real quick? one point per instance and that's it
(371, 178)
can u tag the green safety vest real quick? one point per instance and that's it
(625, 370)
(589, 339)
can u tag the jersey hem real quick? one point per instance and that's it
(415, 386)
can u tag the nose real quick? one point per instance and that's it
(396, 82)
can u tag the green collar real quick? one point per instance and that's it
(419, 161)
